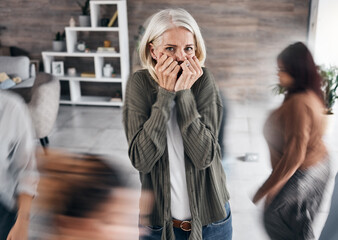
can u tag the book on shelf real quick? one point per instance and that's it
(113, 19)
(113, 75)
(88, 74)
(106, 49)
(116, 99)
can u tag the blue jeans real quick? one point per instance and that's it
(220, 230)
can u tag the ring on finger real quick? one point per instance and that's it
(188, 64)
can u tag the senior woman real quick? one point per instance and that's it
(171, 117)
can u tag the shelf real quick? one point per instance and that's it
(116, 79)
(93, 100)
(94, 29)
(79, 90)
(106, 2)
(64, 98)
(81, 54)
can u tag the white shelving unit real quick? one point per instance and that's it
(75, 96)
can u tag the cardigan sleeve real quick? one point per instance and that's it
(297, 123)
(145, 125)
(199, 118)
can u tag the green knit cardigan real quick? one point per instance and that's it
(145, 115)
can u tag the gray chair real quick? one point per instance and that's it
(40, 91)
(19, 66)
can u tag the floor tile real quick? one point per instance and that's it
(110, 139)
(74, 138)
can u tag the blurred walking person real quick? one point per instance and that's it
(85, 196)
(299, 159)
(18, 173)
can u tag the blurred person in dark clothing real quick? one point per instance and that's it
(18, 173)
(299, 159)
(87, 198)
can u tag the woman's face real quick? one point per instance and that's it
(285, 78)
(177, 43)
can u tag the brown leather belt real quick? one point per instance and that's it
(184, 225)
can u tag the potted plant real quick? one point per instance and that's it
(277, 89)
(59, 44)
(84, 19)
(329, 86)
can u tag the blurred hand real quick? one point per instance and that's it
(191, 72)
(166, 70)
(19, 231)
(255, 199)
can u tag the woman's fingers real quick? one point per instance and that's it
(170, 76)
(166, 71)
(194, 76)
(161, 61)
(159, 70)
(190, 75)
(175, 71)
(191, 72)
(192, 65)
(197, 66)
(183, 81)
(166, 64)
(170, 68)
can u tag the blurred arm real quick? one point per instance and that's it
(23, 169)
(20, 228)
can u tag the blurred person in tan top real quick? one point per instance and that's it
(300, 166)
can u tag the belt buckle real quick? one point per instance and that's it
(184, 229)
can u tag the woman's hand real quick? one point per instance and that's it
(166, 70)
(191, 72)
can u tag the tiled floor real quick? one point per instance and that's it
(99, 130)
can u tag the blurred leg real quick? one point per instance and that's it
(290, 215)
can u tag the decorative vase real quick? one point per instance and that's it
(84, 21)
(59, 46)
(72, 22)
(108, 70)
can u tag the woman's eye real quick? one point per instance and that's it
(189, 49)
(170, 49)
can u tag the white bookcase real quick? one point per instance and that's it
(98, 58)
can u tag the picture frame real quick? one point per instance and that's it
(36, 64)
(57, 68)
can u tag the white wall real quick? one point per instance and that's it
(326, 35)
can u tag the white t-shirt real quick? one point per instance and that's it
(180, 208)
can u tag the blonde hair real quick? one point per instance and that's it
(161, 22)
